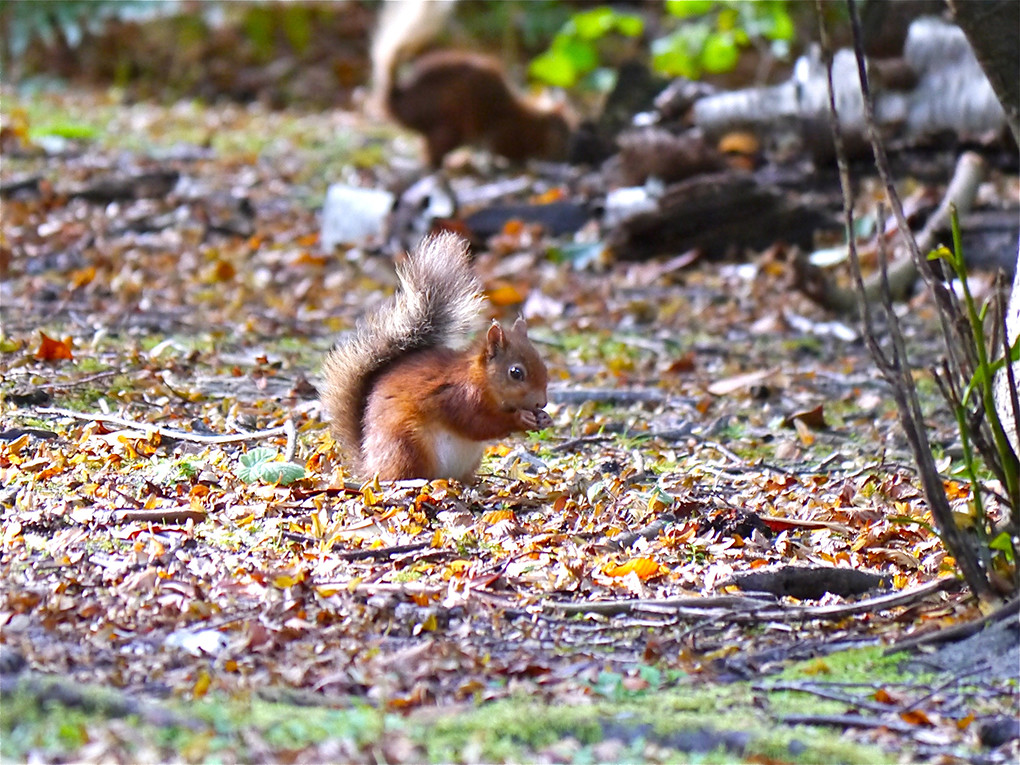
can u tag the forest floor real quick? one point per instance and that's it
(167, 597)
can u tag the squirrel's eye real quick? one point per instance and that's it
(516, 372)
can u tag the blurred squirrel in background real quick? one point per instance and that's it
(455, 98)
(405, 401)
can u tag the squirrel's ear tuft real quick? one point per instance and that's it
(520, 327)
(495, 339)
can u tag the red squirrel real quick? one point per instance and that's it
(405, 401)
(455, 98)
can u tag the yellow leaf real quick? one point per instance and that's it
(15, 446)
(202, 684)
(283, 581)
(496, 516)
(817, 667)
(11, 532)
(456, 568)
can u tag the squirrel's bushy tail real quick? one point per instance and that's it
(439, 304)
(404, 27)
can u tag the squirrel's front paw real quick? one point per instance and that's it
(533, 419)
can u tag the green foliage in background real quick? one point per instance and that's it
(711, 34)
(707, 37)
(574, 51)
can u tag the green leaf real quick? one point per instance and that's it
(593, 24)
(554, 67)
(1003, 544)
(582, 54)
(679, 54)
(261, 465)
(70, 130)
(727, 19)
(629, 24)
(255, 457)
(782, 25)
(684, 9)
(283, 473)
(720, 53)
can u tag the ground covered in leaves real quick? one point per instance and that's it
(243, 598)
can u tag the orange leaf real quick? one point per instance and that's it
(513, 227)
(82, 276)
(884, 697)
(54, 350)
(504, 294)
(645, 568)
(916, 717)
(965, 722)
(552, 195)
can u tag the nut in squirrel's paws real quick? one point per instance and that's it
(534, 419)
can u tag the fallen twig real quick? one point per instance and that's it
(179, 435)
(376, 553)
(823, 691)
(698, 605)
(168, 515)
(847, 721)
(82, 380)
(748, 609)
(651, 531)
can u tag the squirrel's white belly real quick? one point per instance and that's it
(456, 456)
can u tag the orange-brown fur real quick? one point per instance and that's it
(455, 98)
(403, 403)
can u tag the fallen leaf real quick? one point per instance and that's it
(54, 350)
(644, 568)
(740, 382)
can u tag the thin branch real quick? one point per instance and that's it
(823, 692)
(699, 604)
(180, 435)
(746, 609)
(848, 721)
